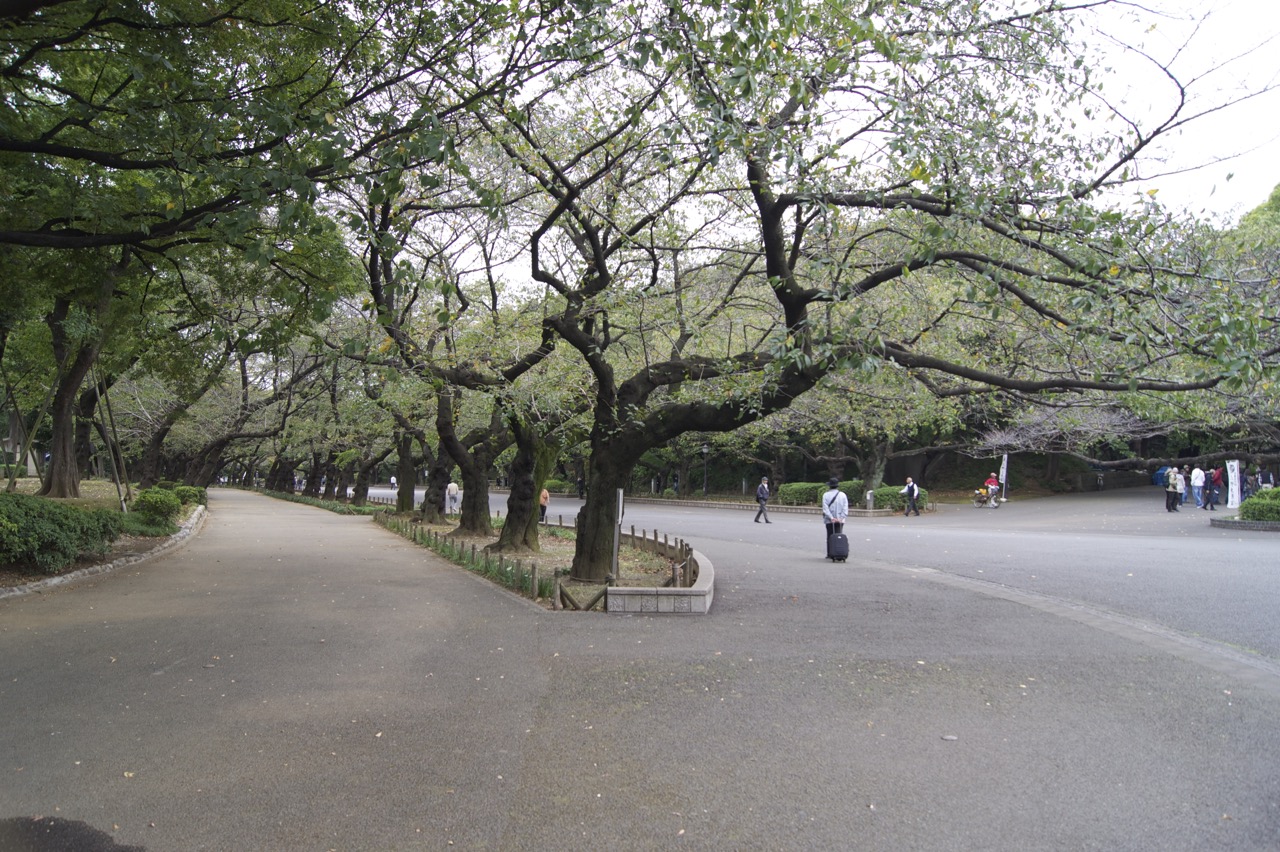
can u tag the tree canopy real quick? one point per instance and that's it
(579, 230)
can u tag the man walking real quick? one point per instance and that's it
(913, 493)
(762, 497)
(1197, 486)
(1214, 482)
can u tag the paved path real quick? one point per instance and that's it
(293, 679)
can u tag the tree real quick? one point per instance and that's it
(128, 133)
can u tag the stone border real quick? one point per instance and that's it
(189, 528)
(1248, 526)
(691, 600)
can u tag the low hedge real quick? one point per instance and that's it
(1263, 506)
(158, 505)
(44, 536)
(891, 497)
(191, 495)
(810, 493)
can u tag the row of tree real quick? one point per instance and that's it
(273, 238)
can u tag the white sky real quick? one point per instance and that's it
(1221, 49)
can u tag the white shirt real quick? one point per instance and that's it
(1197, 478)
(835, 505)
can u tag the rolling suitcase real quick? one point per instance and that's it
(838, 547)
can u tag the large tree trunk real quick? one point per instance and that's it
(406, 472)
(62, 477)
(202, 468)
(314, 474)
(439, 472)
(86, 409)
(608, 470)
(331, 476)
(534, 460)
(364, 476)
(474, 460)
(871, 463)
(149, 466)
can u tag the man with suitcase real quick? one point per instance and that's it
(835, 509)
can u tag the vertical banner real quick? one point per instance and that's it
(1233, 484)
(1004, 475)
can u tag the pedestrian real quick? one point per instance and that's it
(544, 500)
(1182, 489)
(1266, 480)
(913, 494)
(762, 497)
(835, 509)
(1197, 486)
(1186, 484)
(393, 481)
(582, 488)
(1214, 481)
(1171, 489)
(451, 491)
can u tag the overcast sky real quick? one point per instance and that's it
(1221, 48)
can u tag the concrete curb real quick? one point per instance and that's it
(189, 528)
(1248, 526)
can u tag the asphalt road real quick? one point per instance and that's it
(970, 680)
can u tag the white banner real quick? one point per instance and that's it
(1233, 484)
(1004, 475)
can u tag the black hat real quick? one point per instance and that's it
(832, 482)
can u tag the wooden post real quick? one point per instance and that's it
(555, 594)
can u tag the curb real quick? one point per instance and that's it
(1247, 526)
(189, 528)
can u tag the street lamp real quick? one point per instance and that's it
(706, 451)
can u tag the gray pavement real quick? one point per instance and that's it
(293, 679)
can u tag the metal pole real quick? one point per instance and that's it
(617, 534)
(706, 451)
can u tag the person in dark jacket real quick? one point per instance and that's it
(762, 497)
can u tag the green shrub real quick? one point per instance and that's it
(1262, 506)
(167, 485)
(556, 486)
(137, 524)
(810, 493)
(891, 497)
(47, 536)
(191, 495)
(335, 506)
(157, 505)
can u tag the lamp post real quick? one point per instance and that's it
(706, 451)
